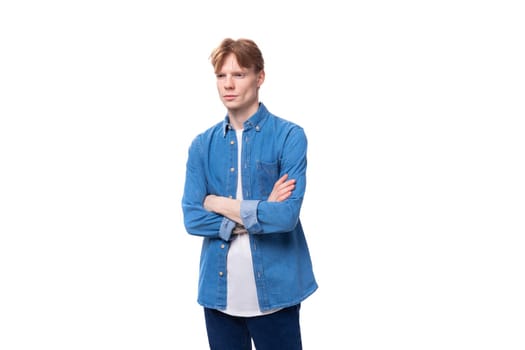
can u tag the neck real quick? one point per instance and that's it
(238, 117)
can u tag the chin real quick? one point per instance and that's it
(231, 104)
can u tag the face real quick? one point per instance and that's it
(238, 86)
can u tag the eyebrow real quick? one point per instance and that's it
(236, 71)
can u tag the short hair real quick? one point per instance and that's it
(246, 51)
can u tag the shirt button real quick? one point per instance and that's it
(221, 273)
(232, 142)
(222, 246)
(232, 170)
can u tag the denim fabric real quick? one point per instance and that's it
(276, 331)
(271, 147)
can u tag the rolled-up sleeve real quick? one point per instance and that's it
(225, 231)
(249, 216)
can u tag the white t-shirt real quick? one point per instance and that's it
(242, 293)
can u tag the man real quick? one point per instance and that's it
(245, 183)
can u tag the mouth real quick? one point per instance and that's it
(229, 97)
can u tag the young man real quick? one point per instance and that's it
(245, 183)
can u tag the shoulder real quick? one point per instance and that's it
(281, 123)
(285, 127)
(201, 141)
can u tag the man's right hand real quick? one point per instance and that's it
(282, 189)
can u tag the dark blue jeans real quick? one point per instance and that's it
(275, 331)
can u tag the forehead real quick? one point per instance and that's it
(230, 63)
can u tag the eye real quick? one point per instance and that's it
(239, 75)
(220, 76)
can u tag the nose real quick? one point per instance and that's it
(228, 82)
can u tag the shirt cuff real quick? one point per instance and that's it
(225, 231)
(249, 216)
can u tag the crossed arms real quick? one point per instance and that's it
(231, 208)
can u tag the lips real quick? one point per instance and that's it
(229, 97)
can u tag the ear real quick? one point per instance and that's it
(260, 78)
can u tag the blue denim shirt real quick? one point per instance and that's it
(271, 147)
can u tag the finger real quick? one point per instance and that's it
(287, 186)
(281, 180)
(284, 196)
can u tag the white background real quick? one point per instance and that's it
(415, 205)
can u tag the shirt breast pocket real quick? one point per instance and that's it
(267, 174)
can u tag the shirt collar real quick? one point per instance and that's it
(255, 121)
